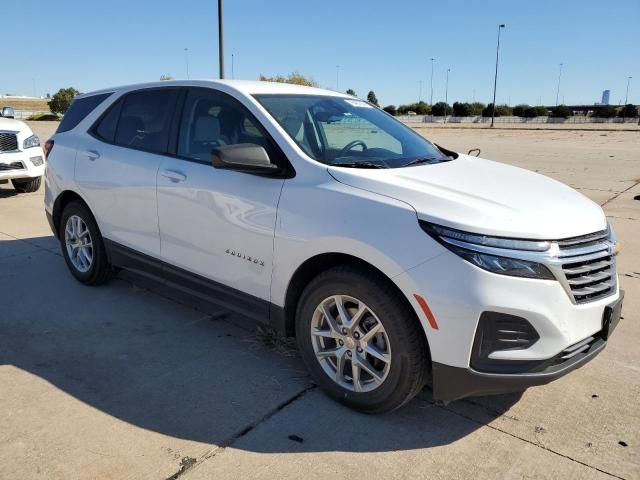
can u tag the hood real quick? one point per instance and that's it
(12, 124)
(483, 196)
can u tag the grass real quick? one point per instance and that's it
(25, 103)
(271, 339)
(44, 117)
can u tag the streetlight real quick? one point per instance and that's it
(233, 74)
(220, 40)
(495, 80)
(446, 96)
(431, 101)
(626, 95)
(186, 56)
(558, 90)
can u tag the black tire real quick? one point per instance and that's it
(409, 368)
(27, 185)
(100, 271)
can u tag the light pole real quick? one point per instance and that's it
(446, 96)
(431, 100)
(220, 40)
(233, 73)
(626, 95)
(558, 90)
(337, 78)
(186, 57)
(495, 79)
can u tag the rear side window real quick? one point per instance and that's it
(79, 109)
(145, 120)
(105, 129)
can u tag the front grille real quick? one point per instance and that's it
(8, 142)
(11, 166)
(589, 266)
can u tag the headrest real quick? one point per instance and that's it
(206, 129)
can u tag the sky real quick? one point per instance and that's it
(384, 46)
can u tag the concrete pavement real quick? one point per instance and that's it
(130, 381)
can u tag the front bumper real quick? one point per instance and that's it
(458, 293)
(20, 164)
(453, 383)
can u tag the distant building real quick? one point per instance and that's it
(605, 97)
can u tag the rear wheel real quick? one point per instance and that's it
(83, 247)
(27, 185)
(360, 340)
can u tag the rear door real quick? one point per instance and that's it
(117, 166)
(218, 223)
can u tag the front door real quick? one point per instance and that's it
(217, 223)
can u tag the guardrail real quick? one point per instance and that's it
(537, 120)
(24, 114)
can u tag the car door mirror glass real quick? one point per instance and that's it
(245, 157)
(8, 112)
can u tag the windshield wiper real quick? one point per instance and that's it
(358, 165)
(419, 161)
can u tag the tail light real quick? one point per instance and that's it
(48, 146)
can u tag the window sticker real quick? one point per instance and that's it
(358, 103)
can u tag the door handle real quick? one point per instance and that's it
(174, 176)
(92, 155)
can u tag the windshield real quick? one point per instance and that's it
(349, 132)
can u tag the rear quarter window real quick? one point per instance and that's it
(79, 109)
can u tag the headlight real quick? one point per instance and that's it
(471, 246)
(611, 234)
(32, 141)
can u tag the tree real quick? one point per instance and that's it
(295, 78)
(501, 111)
(371, 97)
(532, 112)
(628, 111)
(518, 110)
(440, 109)
(391, 109)
(61, 100)
(461, 109)
(476, 108)
(165, 76)
(561, 111)
(351, 92)
(604, 111)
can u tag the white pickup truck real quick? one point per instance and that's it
(21, 157)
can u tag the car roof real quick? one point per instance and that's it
(246, 87)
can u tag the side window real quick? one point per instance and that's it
(212, 119)
(145, 120)
(105, 128)
(79, 109)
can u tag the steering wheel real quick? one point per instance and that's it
(351, 146)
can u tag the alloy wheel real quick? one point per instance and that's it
(78, 243)
(350, 343)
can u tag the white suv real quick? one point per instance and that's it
(395, 262)
(21, 158)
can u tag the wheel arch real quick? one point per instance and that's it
(317, 264)
(62, 201)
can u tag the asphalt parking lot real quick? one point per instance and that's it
(130, 381)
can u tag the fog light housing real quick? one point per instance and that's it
(500, 331)
(37, 161)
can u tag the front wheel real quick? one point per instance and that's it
(360, 340)
(27, 185)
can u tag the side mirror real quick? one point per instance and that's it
(8, 112)
(244, 157)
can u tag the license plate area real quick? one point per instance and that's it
(611, 317)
